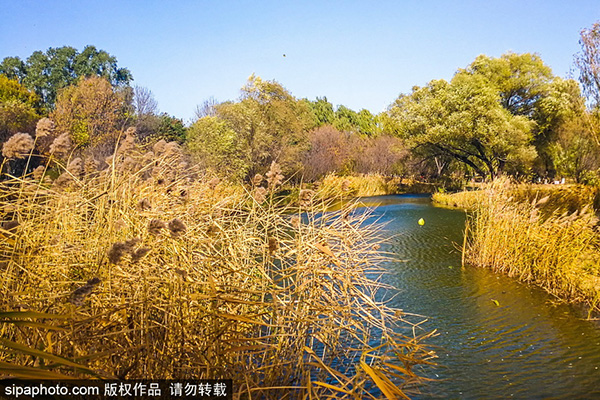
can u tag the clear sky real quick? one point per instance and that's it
(362, 54)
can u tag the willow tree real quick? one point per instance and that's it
(527, 87)
(464, 120)
(215, 145)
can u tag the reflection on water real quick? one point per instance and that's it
(498, 338)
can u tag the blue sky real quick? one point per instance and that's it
(362, 54)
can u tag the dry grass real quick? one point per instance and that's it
(467, 200)
(558, 198)
(157, 272)
(333, 186)
(538, 240)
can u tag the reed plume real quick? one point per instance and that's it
(18, 146)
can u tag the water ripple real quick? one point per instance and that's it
(498, 338)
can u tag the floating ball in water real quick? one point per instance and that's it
(421, 222)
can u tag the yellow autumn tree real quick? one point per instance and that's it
(90, 111)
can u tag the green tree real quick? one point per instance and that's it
(520, 79)
(322, 111)
(215, 145)
(18, 108)
(575, 152)
(47, 72)
(561, 104)
(346, 120)
(13, 68)
(464, 120)
(367, 123)
(527, 87)
(270, 124)
(171, 128)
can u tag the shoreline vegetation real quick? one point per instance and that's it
(333, 186)
(547, 235)
(144, 267)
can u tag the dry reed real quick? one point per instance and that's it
(333, 186)
(284, 306)
(538, 239)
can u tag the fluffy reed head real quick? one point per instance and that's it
(213, 183)
(259, 194)
(18, 146)
(306, 197)
(159, 147)
(144, 204)
(177, 227)
(257, 180)
(44, 128)
(117, 251)
(155, 226)
(38, 172)
(62, 145)
(274, 176)
(78, 295)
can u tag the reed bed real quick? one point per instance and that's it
(148, 269)
(537, 241)
(559, 198)
(333, 186)
(467, 200)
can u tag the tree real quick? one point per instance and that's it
(13, 68)
(561, 104)
(520, 79)
(171, 129)
(322, 111)
(214, 145)
(18, 108)
(381, 154)
(588, 62)
(207, 109)
(330, 150)
(465, 120)
(46, 73)
(270, 124)
(526, 87)
(575, 152)
(144, 102)
(367, 123)
(346, 119)
(91, 111)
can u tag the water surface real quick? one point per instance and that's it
(526, 347)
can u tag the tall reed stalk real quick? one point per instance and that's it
(163, 273)
(539, 240)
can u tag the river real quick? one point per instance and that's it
(497, 338)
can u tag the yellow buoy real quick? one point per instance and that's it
(421, 222)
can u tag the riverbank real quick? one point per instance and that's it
(333, 186)
(546, 235)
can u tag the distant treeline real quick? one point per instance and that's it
(498, 116)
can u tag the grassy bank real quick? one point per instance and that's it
(547, 235)
(144, 268)
(557, 198)
(333, 186)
